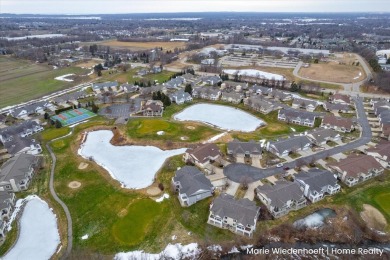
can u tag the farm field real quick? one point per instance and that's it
(338, 70)
(22, 80)
(140, 46)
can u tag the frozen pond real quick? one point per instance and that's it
(133, 166)
(39, 237)
(224, 117)
(317, 219)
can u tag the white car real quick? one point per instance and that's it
(279, 165)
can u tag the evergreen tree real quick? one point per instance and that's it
(188, 89)
(58, 124)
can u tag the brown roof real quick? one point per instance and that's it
(202, 153)
(383, 148)
(338, 121)
(355, 164)
(344, 98)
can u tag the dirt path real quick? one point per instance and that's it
(373, 217)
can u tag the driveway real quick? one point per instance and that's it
(240, 159)
(256, 163)
(250, 193)
(232, 188)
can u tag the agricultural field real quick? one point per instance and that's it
(338, 69)
(140, 46)
(22, 80)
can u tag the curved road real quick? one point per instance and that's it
(366, 135)
(63, 205)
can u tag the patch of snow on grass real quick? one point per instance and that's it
(160, 133)
(164, 196)
(293, 129)
(86, 236)
(233, 250)
(39, 237)
(255, 73)
(214, 138)
(223, 117)
(246, 247)
(215, 248)
(64, 77)
(173, 237)
(133, 166)
(176, 252)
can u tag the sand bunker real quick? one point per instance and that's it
(74, 184)
(153, 191)
(83, 166)
(191, 127)
(373, 217)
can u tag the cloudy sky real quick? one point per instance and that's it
(151, 6)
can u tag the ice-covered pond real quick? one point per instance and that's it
(39, 237)
(133, 166)
(317, 219)
(223, 117)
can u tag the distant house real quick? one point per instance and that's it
(322, 136)
(286, 146)
(259, 90)
(211, 80)
(231, 86)
(234, 98)
(239, 216)
(152, 108)
(206, 93)
(71, 97)
(309, 105)
(337, 107)
(130, 88)
(105, 87)
(340, 99)
(174, 83)
(317, 183)
(202, 154)
(17, 172)
(381, 152)
(259, 104)
(23, 145)
(339, 124)
(7, 203)
(180, 97)
(23, 112)
(24, 129)
(280, 95)
(356, 168)
(282, 197)
(244, 149)
(297, 117)
(191, 185)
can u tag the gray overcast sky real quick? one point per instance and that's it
(160, 6)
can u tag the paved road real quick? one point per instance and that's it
(258, 174)
(63, 205)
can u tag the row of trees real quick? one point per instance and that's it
(161, 96)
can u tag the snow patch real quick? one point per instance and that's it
(214, 138)
(176, 252)
(223, 117)
(164, 196)
(160, 133)
(293, 129)
(133, 166)
(39, 237)
(215, 248)
(255, 73)
(86, 236)
(174, 237)
(64, 77)
(233, 250)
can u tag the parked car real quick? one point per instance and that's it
(279, 165)
(286, 168)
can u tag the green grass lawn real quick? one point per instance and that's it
(147, 128)
(25, 81)
(132, 228)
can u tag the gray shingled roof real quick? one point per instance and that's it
(294, 114)
(317, 178)
(242, 210)
(16, 167)
(192, 180)
(204, 151)
(4, 199)
(105, 85)
(281, 192)
(14, 130)
(242, 147)
(291, 143)
(320, 135)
